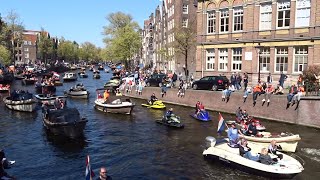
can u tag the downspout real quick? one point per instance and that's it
(202, 39)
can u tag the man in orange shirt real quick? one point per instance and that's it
(256, 91)
(106, 95)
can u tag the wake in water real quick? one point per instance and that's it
(311, 153)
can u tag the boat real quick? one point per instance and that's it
(48, 99)
(220, 151)
(44, 88)
(70, 77)
(115, 83)
(287, 141)
(174, 121)
(83, 75)
(66, 122)
(77, 91)
(203, 115)
(117, 106)
(156, 105)
(4, 88)
(106, 70)
(241, 123)
(74, 67)
(96, 75)
(29, 81)
(100, 67)
(20, 101)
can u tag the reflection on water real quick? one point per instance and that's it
(130, 146)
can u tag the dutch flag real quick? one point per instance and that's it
(89, 172)
(220, 124)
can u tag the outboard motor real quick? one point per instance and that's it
(210, 141)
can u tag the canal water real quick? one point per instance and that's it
(131, 147)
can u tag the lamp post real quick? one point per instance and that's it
(258, 48)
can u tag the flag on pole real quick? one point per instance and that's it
(220, 124)
(89, 172)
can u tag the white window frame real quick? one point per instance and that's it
(282, 7)
(236, 59)
(185, 9)
(238, 15)
(264, 59)
(281, 53)
(210, 59)
(303, 8)
(224, 15)
(26, 49)
(185, 22)
(265, 11)
(211, 22)
(223, 59)
(300, 58)
(26, 55)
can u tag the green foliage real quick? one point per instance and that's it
(165, 53)
(122, 37)
(4, 56)
(89, 52)
(310, 72)
(67, 50)
(45, 46)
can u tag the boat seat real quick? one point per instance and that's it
(118, 101)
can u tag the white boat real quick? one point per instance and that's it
(83, 75)
(116, 106)
(48, 99)
(21, 102)
(288, 167)
(70, 76)
(288, 142)
(77, 91)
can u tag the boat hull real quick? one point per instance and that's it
(72, 130)
(23, 105)
(108, 108)
(78, 94)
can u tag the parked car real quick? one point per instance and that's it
(211, 82)
(155, 79)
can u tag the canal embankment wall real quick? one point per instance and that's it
(307, 113)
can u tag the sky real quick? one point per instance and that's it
(75, 20)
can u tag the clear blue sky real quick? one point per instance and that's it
(78, 20)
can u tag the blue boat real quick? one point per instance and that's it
(203, 115)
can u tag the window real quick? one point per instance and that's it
(281, 59)
(185, 9)
(26, 49)
(265, 16)
(300, 58)
(211, 22)
(25, 42)
(224, 20)
(236, 59)
(29, 42)
(223, 59)
(238, 19)
(302, 13)
(264, 59)
(210, 59)
(26, 55)
(185, 23)
(283, 13)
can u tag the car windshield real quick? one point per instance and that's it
(204, 79)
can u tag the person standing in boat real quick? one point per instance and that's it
(273, 148)
(245, 151)
(103, 174)
(233, 135)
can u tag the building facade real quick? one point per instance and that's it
(159, 35)
(258, 37)
(26, 50)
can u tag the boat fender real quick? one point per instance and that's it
(210, 141)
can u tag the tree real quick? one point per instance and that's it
(89, 52)
(310, 72)
(185, 39)
(15, 29)
(67, 50)
(4, 56)
(45, 46)
(122, 37)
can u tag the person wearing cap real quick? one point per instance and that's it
(103, 174)
(233, 135)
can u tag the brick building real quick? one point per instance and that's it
(159, 29)
(234, 35)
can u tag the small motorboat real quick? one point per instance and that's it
(220, 151)
(78, 91)
(115, 83)
(70, 77)
(106, 70)
(4, 88)
(242, 123)
(100, 67)
(20, 101)
(96, 75)
(203, 115)
(83, 75)
(47, 98)
(66, 122)
(42, 88)
(156, 105)
(116, 106)
(174, 121)
(29, 81)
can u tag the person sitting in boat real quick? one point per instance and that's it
(200, 108)
(3, 165)
(265, 158)
(169, 113)
(273, 148)
(153, 98)
(245, 151)
(252, 129)
(106, 96)
(118, 93)
(233, 135)
(197, 107)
